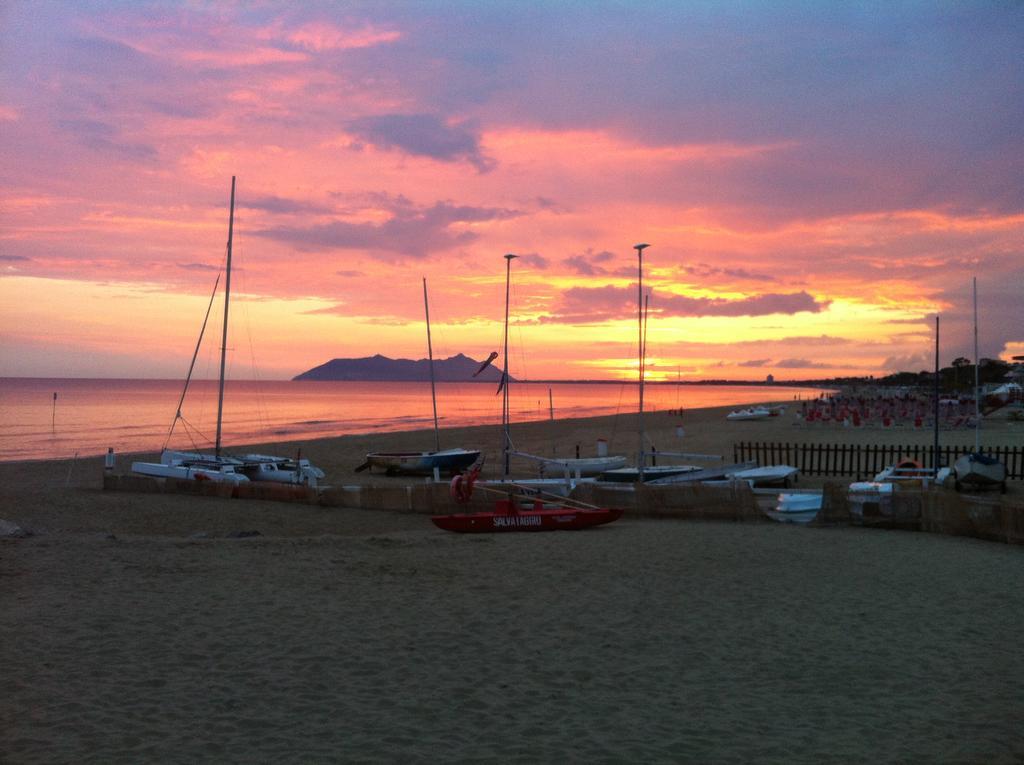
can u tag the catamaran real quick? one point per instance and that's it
(196, 466)
(642, 472)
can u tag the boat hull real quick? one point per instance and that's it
(771, 475)
(422, 463)
(979, 470)
(582, 466)
(796, 508)
(189, 472)
(549, 519)
(630, 474)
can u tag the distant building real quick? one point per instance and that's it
(770, 379)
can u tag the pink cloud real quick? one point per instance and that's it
(587, 304)
(320, 36)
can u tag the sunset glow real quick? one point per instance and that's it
(816, 183)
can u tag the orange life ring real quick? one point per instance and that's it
(461, 487)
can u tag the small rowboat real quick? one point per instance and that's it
(507, 517)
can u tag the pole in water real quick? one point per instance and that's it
(53, 416)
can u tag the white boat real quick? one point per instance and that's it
(576, 467)
(532, 487)
(219, 471)
(449, 461)
(751, 413)
(709, 476)
(769, 475)
(219, 466)
(796, 507)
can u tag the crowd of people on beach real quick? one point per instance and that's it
(886, 411)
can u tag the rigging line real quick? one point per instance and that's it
(618, 411)
(191, 367)
(192, 431)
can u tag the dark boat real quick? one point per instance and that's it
(449, 461)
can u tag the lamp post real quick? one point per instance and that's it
(641, 350)
(504, 372)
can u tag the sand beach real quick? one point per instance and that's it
(150, 628)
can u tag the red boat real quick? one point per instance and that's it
(507, 517)
(562, 514)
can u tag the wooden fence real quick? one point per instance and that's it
(864, 461)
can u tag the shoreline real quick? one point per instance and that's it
(695, 431)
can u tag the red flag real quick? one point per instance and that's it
(492, 357)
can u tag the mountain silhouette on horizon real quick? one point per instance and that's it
(459, 368)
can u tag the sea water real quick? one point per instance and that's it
(62, 418)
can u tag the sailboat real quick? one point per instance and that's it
(642, 472)
(218, 466)
(977, 469)
(449, 461)
(574, 468)
(508, 514)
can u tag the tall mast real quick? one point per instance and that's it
(935, 459)
(640, 334)
(977, 386)
(224, 335)
(430, 354)
(505, 418)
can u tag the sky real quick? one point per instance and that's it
(817, 182)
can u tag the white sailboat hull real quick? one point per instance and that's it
(768, 475)
(221, 474)
(582, 466)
